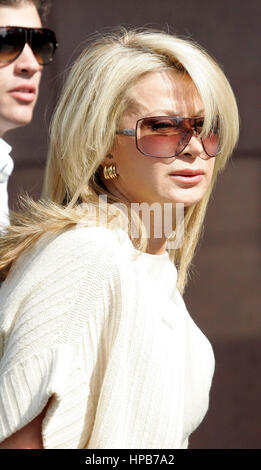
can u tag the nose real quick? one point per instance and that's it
(195, 148)
(26, 62)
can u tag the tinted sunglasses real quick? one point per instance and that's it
(168, 136)
(13, 39)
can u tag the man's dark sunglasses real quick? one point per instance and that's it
(13, 39)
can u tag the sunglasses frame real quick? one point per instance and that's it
(28, 32)
(193, 127)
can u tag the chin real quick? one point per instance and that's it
(188, 197)
(190, 204)
(23, 121)
(192, 201)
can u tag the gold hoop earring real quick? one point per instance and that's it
(109, 172)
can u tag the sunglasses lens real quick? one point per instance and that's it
(12, 41)
(165, 136)
(161, 137)
(43, 44)
(211, 144)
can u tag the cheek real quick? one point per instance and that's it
(5, 76)
(209, 169)
(130, 162)
(39, 76)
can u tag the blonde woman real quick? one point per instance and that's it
(98, 349)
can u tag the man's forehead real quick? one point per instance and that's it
(24, 14)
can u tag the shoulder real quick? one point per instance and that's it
(65, 259)
(82, 236)
(76, 246)
(63, 285)
(89, 251)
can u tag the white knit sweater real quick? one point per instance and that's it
(108, 337)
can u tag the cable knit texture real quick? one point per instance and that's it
(106, 335)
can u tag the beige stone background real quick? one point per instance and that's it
(224, 295)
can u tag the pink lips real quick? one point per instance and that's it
(24, 92)
(187, 176)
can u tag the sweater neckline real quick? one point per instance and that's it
(155, 256)
(159, 268)
(124, 238)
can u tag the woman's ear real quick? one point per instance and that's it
(107, 160)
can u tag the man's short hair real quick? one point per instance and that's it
(42, 6)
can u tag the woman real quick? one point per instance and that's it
(98, 349)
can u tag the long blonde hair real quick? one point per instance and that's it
(94, 97)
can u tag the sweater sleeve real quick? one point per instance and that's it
(60, 324)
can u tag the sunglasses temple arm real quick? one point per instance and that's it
(128, 132)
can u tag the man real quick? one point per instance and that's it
(25, 47)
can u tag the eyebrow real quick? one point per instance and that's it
(200, 113)
(134, 108)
